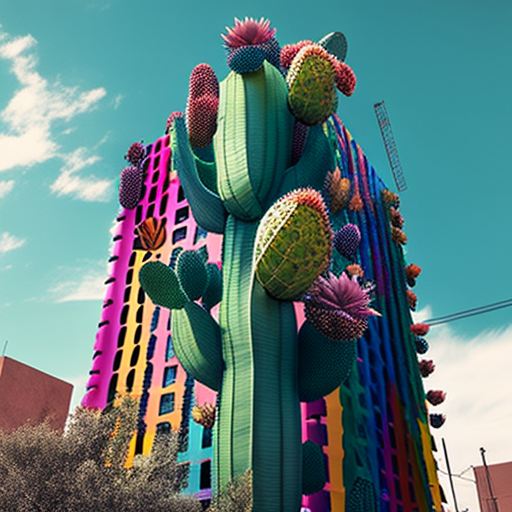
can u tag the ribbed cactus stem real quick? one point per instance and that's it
(259, 417)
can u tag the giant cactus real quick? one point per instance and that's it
(277, 241)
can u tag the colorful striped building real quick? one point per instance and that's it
(374, 429)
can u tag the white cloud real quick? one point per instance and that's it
(87, 189)
(117, 101)
(6, 187)
(89, 286)
(10, 242)
(475, 374)
(31, 117)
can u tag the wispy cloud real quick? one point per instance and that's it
(88, 285)
(87, 189)
(475, 373)
(33, 117)
(117, 101)
(9, 242)
(6, 187)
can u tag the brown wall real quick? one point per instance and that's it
(29, 395)
(501, 482)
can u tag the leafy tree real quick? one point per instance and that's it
(84, 469)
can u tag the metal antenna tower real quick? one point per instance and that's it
(389, 143)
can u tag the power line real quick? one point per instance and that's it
(457, 476)
(470, 312)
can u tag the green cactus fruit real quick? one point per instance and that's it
(313, 468)
(162, 286)
(197, 343)
(192, 273)
(293, 244)
(323, 363)
(361, 497)
(311, 82)
(213, 293)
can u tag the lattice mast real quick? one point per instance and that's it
(389, 143)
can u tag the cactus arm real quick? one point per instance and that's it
(197, 343)
(313, 468)
(207, 207)
(207, 172)
(162, 285)
(323, 363)
(317, 159)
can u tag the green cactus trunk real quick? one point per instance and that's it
(258, 423)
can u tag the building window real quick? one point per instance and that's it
(163, 428)
(179, 234)
(170, 375)
(207, 438)
(170, 348)
(130, 379)
(205, 481)
(166, 403)
(181, 215)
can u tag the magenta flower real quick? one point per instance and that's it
(338, 307)
(248, 32)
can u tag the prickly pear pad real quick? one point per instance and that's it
(293, 244)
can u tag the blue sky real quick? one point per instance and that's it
(80, 81)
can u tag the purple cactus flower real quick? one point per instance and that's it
(338, 307)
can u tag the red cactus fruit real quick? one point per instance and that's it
(390, 198)
(136, 153)
(202, 120)
(289, 52)
(356, 203)
(338, 307)
(203, 82)
(426, 367)
(398, 236)
(248, 32)
(412, 299)
(171, 119)
(354, 270)
(202, 106)
(396, 218)
(130, 187)
(436, 397)
(345, 77)
(437, 420)
(412, 270)
(420, 329)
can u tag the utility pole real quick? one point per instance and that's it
(494, 500)
(5, 348)
(450, 475)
